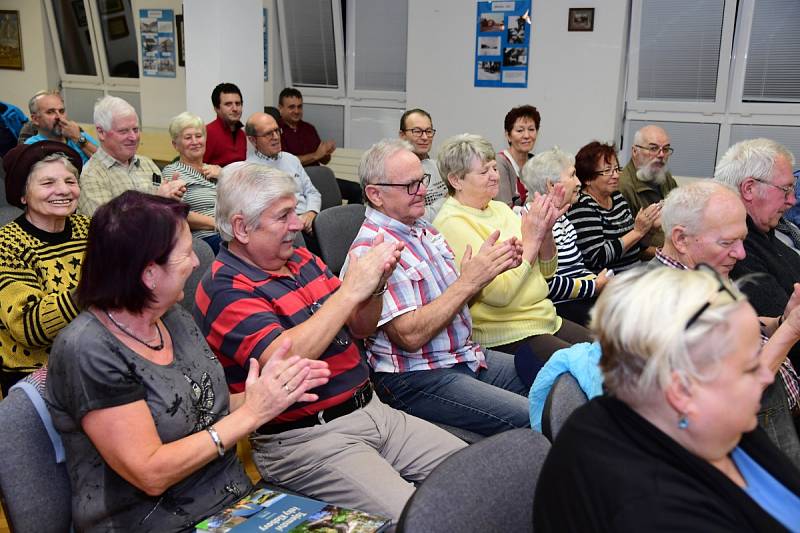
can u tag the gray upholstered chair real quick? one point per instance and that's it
(325, 182)
(206, 257)
(336, 229)
(34, 486)
(8, 213)
(565, 396)
(488, 486)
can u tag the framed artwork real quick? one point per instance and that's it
(106, 7)
(581, 19)
(10, 41)
(117, 27)
(181, 46)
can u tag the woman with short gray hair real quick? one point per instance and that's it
(673, 446)
(512, 314)
(189, 139)
(574, 288)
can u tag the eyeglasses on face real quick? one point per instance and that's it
(607, 171)
(787, 190)
(412, 187)
(723, 288)
(417, 132)
(277, 132)
(654, 149)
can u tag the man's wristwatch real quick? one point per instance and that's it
(82, 140)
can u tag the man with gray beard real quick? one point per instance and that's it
(646, 178)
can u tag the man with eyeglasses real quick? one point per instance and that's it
(115, 167)
(761, 171)
(646, 178)
(705, 224)
(265, 136)
(263, 297)
(416, 127)
(423, 355)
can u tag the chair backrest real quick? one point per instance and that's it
(206, 257)
(325, 182)
(336, 229)
(8, 213)
(35, 489)
(487, 486)
(565, 396)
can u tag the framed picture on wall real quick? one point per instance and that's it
(10, 41)
(581, 19)
(107, 7)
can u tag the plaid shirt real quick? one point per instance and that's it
(425, 270)
(791, 381)
(104, 178)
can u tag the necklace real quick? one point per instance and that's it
(123, 329)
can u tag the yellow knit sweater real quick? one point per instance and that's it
(514, 306)
(37, 272)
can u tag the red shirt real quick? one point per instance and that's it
(224, 146)
(299, 141)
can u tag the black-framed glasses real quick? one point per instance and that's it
(654, 149)
(412, 187)
(607, 171)
(723, 288)
(417, 132)
(341, 338)
(787, 190)
(270, 133)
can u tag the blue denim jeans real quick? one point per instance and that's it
(776, 419)
(491, 401)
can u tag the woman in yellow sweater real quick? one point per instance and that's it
(512, 313)
(41, 253)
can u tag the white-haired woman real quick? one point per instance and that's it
(574, 288)
(673, 446)
(512, 314)
(189, 139)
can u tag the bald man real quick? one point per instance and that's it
(646, 178)
(265, 135)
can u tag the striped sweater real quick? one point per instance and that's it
(38, 271)
(573, 280)
(600, 233)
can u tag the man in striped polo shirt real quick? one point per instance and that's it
(346, 448)
(424, 358)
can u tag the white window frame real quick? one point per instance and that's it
(634, 103)
(102, 80)
(398, 96)
(786, 110)
(338, 40)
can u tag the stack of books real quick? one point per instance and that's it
(270, 510)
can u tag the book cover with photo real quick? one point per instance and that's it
(269, 510)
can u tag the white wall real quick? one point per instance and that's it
(40, 71)
(575, 79)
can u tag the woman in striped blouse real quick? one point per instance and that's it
(608, 236)
(574, 288)
(189, 139)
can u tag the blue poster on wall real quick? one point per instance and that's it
(158, 42)
(502, 43)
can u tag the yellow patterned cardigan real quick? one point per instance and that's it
(37, 272)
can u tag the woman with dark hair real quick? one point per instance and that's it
(522, 127)
(140, 400)
(41, 253)
(608, 236)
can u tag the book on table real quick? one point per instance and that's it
(269, 510)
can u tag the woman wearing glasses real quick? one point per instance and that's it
(673, 446)
(512, 314)
(522, 127)
(608, 236)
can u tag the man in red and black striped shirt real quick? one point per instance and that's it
(346, 447)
